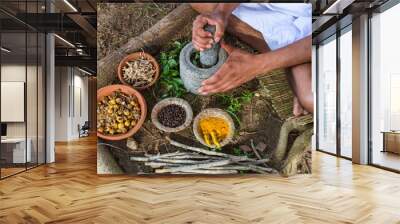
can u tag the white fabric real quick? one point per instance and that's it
(280, 23)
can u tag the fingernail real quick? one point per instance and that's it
(209, 46)
(216, 39)
(201, 49)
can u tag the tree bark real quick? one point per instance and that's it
(295, 155)
(155, 37)
(300, 124)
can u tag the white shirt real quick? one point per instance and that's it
(280, 23)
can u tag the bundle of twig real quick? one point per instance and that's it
(201, 161)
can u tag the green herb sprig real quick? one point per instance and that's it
(170, 82)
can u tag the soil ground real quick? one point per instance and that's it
(258, 122)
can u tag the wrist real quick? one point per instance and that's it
(263, 64)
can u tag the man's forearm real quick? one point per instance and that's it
(293, 54)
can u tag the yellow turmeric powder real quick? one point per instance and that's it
(214, 129)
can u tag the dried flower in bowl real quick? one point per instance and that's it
(117, 113)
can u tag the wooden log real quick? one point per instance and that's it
(158, 35)
(295, 154)
(106, 163)
(288, 126)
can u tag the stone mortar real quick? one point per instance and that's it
(191, 75)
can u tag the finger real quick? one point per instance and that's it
(199, 31)
(234, 84)
(203, 41)
(198, 26)
(200, 21)
(217, 87)
(219, 32)
(199, 46)
(228, 48)
(221, 74)
(219, 28)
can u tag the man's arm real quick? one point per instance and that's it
(294, 54)
(241, 66)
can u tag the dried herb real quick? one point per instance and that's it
(139, 72)
(117, 113)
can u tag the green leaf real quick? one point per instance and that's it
(172, 63)
(165, 70)
(174, 73)
(163, 56)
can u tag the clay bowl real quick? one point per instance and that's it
(213, 112)
(108, 90)
(132, 57)
(168, 101)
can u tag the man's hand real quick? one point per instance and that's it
(240, 67)
(202, 39)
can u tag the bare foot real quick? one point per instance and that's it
(298, 110)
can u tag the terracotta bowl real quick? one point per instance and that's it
(213, 112)
(133, 57)
(168, 101)
(108, 90)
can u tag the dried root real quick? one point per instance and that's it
(139, 72)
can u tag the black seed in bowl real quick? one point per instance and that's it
(172, 116)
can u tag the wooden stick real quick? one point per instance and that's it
(183, 161)
(194, 167)
(155, 165)
(250, 167)
(208, 172)
(208, 152)
(254, 149)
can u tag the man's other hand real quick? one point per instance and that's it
(240, 67)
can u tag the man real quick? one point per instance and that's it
(280, 32)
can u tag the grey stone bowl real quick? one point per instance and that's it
(191, 75)
(168, 101)
(213, 112)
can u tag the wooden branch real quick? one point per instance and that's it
(182, 161)
(155, 165)
(207, 152)
(257, 169)
(193, 167)
(158, 35)
(215, 172)
(254, 149)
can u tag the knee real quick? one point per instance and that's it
(204, 8)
